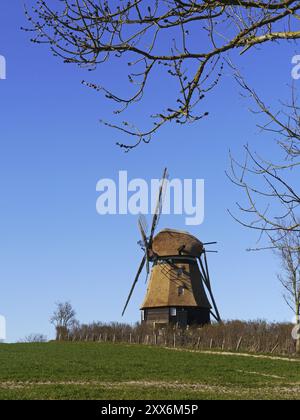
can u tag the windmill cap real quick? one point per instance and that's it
(171, 242)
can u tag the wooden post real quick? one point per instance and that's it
(239, 344)
(223, 344)
(198, 342)
(211, 344)
(174, 340)
(130, 338)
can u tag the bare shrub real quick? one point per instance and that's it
(34, 338)
(251, 337)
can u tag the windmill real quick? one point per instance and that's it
(179, 283)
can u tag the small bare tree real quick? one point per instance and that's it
(272, 193)
(34, 338)
(186, 40)
(63, 319)
(288, 250)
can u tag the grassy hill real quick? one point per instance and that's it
(115, 371)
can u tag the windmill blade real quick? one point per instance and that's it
(141, 225)
(159, 204)
(209, 288)
(147, 274)
(214, 316)
(134, 283)
(143, 232)
(143, 222)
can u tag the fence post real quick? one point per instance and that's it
(223, 344)
(174, 340)
(239, 344)
(211, 344)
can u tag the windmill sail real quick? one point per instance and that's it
(159, 205)
(134, 283)
(146, 244)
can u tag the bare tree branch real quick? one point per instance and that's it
(272, 195)
(189, 39)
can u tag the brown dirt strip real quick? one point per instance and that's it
(278, 391)
(264, 375)
(223, 353)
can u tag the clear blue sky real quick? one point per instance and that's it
(53, 244)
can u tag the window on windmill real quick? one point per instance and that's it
(180, 271)
(181, 290)
(173, 312)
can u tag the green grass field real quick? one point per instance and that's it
(115, 371)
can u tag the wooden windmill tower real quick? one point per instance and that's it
(179, 283)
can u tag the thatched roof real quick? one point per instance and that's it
(166, 280)
(168, 242)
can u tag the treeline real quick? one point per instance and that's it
(252, 337)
